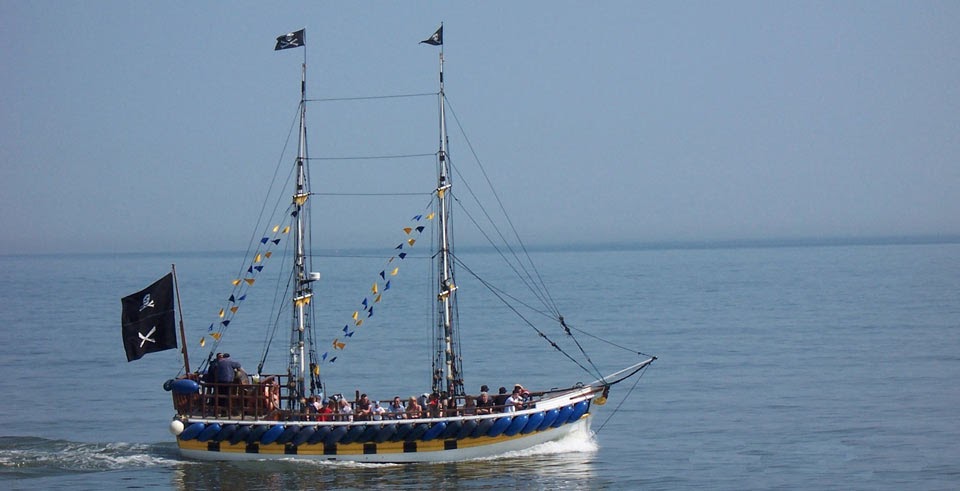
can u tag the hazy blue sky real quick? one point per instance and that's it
(151, 126)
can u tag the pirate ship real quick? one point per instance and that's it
(274, 414)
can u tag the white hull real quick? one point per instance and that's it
(484, 448)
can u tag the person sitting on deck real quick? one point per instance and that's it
(414, 410)
(470, 406)
(345, 411)
(397, 411)
(434, 406)
(328, 410)
(501, 399)
(484, 404)
(514, 403)
(377, 411)
(362, 412)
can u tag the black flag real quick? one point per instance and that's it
(290, 40)
(436, 39)
(147, 320)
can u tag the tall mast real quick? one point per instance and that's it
(450, 380)
(301, 300)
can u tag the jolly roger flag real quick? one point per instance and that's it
(436, 39)
(147, 319)
(291, 40)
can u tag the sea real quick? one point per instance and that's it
(780, 365)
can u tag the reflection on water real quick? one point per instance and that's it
(568, 464)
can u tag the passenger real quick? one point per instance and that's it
(514, 403)
(313, 406)
(433, 406)
(501, 399)
(484, 404)
(484, 388)
(414, 410)
(470, 406)
(451, 405)
(363, 409)
(345, 411)
(377, 411)
(397, 411)
(328, 411)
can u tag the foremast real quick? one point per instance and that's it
(447, 377)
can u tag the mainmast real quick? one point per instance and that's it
(303, 292)
(447, 376)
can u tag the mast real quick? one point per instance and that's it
(447, 378)
(183, 335)
(303, 292)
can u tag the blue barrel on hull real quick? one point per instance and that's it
(288, 433)
(434, 431)
(469, 426)
(516, 425)
(225, 433)
(548, 418)
(353, 433)
(563, 416)
(335, 435)
(533, 424)
(240, 435)
(483, 427)
(385, 433)
(304, 435)
(192, 431)
(256, 433)
(320, 435)
(209, 432)
(417, 432)
(499, 426)
(578, 410)
(272, 434)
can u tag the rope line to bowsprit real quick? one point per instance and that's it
(627, 396)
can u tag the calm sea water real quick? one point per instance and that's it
(804, 367)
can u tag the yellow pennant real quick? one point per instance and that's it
(249, 281)
(395, 271)
(337, 344)
(355, 314)
(203, 342)
(430, 216)
(316, 370)
(407, 230)
(275, 228)
(215, 335)
(268, 253)
(234, 309)
(374, 289)
(440, 193)
(411, 241)
(221, 313)
(286, 229)
(359, 322)
(377, 300)
(235, 282)
(258, 258)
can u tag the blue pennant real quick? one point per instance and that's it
(226, 323)
(399, 246)
(242, 297)
(420, 229)
(371, 313)
(231, 299)
(264, 240)
(258, 268)
(402, 255)
(210, 329)
(364, 302)
(387, 286)
(333, 359)
(382, 276)
(275, 241)
(345, 328)
(350, 334)
(418, 217)
(250, 269)
(324, 357)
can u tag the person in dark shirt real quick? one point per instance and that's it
(225, 369)
(500, 399)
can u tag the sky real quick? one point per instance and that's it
(148, 127)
